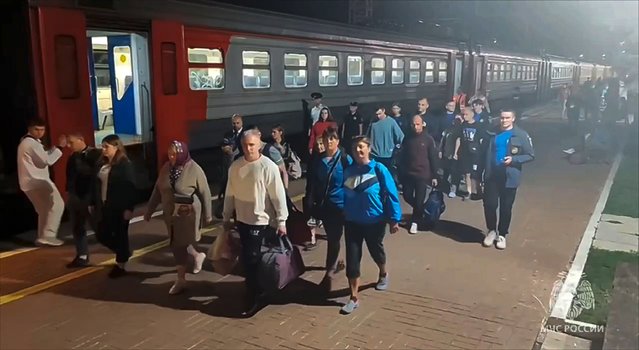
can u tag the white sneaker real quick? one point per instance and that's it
(413, 228)
(311, 222)
(501, 242)
(177, 287)
(490, 238)
(199, 260)
(569, 151)
(49, 241)
(452, 194)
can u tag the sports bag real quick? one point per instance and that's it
(434, 207)
(279, 266)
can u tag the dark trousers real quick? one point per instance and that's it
(113, 233)
(451, 173)
(334, 227)
(355, 235)
(251, 238)
(389, 164)
(415, 195)
(497, 195)
(79, 215)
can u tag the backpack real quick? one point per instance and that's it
(434, 207)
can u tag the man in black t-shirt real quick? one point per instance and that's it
(353, 126)
(470, 152)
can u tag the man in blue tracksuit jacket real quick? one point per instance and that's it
(507, 150)
(371, 200)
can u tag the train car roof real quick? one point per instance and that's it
(214, 15)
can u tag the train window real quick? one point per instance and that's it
(489, 72)
(509, 71)
(200, 55)
(206, 69)
(397, 74)
(66, 64)
(206, 78)
(413, 73)
(102, 77)
(328, 72)
(378, 74)
(520, 73)
(442, 72)
(256, 70)
(355, 70)
(295, 70)
(429, 72)
(100, 57)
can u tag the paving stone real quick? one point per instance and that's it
(447, 291)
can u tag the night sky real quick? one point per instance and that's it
(564, 28)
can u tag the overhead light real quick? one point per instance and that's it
(581, 55)
(603, 55)
(623, 51)
(421, 21)
(437, 25)
(622, 42)
(494, 41)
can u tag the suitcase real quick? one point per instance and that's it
(279, 266)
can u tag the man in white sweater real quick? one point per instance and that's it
(33, 174)
(255, 192)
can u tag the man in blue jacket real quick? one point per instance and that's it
(508, 149)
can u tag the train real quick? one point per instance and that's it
(152, 71)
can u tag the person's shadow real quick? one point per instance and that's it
(457, 231)
(216, 298)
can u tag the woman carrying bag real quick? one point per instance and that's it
(328, 199)
(183, 191)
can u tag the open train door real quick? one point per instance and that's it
(65, 78)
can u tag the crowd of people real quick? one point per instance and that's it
(354, 178)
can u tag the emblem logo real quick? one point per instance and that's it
(515, 150)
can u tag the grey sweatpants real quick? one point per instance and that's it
(49, 205)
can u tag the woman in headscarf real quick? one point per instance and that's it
(183, 191)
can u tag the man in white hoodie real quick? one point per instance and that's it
(33, 174)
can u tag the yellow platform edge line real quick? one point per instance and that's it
(16, 252)
(5, 299)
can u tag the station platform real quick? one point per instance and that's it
(446, 290)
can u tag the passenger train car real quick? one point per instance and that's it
(153, 71)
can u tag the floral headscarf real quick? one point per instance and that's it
(182, 157)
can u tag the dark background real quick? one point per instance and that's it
(564, 28)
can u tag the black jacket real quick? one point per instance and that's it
(435, 125)
(122, 194)
(419, 157)
(81, 168)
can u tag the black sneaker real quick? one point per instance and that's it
(475, 197)
(78, 262)
(117, 272)
(254, 307)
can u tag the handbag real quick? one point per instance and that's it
(297, 229)
(280, 265)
